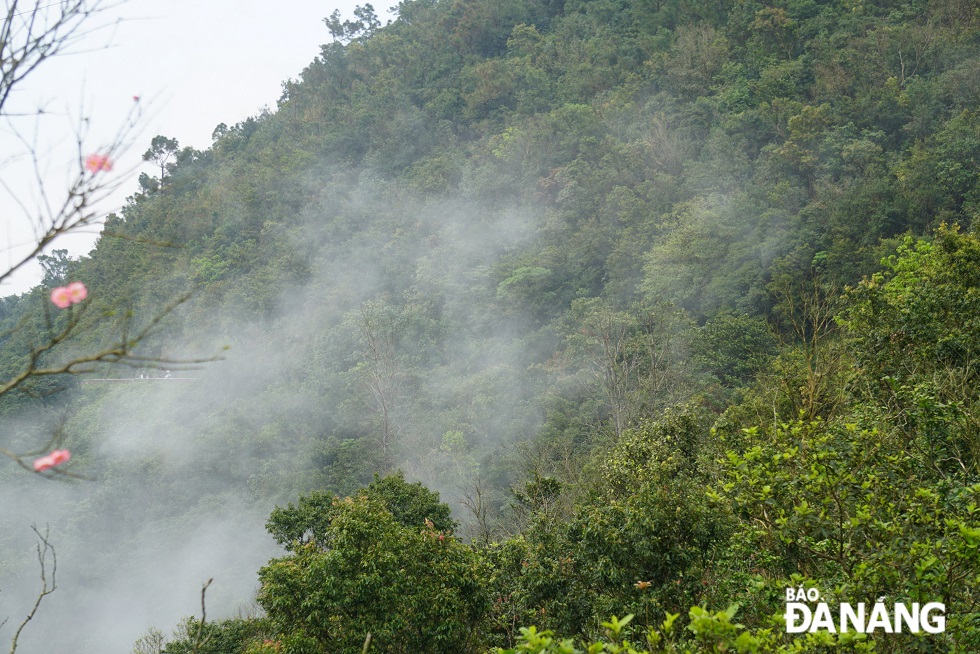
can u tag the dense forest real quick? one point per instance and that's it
(536, 313)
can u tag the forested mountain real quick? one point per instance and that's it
(593, 271)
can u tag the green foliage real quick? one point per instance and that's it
(643, 537)
(411, 505)
(940, 178)
(915, 330)
(658, 451)
(920, 313)
(625, 357)
(710, 633)
(733, 347)
(364, 26)
(529, 288)
(221, 637)
(712, 255)
(295, 527)
(854, 513)
(55, 267)
(162, 152)
(415, 589)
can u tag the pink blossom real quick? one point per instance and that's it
(77, 292)
(57, 457)
(61, 298)
(95, 163)
(65, 296)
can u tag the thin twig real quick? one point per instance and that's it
(200, 640)
(43, 547)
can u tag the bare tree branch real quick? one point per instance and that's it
(200, 639)
(44, 550)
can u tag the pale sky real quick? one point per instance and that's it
(193, 63)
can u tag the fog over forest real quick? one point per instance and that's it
(671, 304)
(185, 473)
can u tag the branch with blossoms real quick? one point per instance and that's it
(31, 33)
(121, 352)
(54, 216)
(48, 463)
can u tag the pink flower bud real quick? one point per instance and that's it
(95, 163)
(56, 457)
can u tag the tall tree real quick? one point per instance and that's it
(162, 152)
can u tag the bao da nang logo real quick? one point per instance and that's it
(860, 618)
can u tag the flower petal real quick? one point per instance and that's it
(77, 292)
(95, 163)
(61, 297)
(56, 457)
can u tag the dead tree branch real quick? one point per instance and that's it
(45, 550)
